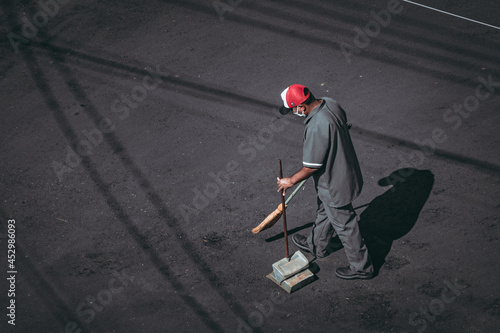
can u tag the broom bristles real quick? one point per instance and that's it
(270, 220)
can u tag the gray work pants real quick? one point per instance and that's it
(343, 222)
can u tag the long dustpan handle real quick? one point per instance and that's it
(284, 212)
(295, 191)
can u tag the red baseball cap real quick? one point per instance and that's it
(293, 96)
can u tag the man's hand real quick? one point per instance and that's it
(284, 184)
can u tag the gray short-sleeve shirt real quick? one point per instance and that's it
(328, 148)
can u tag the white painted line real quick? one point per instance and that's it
(441, 11)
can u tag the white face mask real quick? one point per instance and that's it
(296, 112)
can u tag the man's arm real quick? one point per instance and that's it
(286, 183)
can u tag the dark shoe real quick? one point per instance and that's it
(301, 242)
(348, 274)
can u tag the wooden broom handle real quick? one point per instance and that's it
(284, 212)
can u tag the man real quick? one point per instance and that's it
(329, 157)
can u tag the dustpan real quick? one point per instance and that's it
(288, 267)
(290, 273)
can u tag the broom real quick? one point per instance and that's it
(272, 218)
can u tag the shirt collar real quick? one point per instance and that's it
(314, 112)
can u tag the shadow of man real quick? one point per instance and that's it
(393, 214)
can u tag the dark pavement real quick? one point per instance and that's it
(139, 146)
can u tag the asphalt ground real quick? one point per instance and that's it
(139, 146)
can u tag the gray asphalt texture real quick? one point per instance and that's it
(140, 144)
